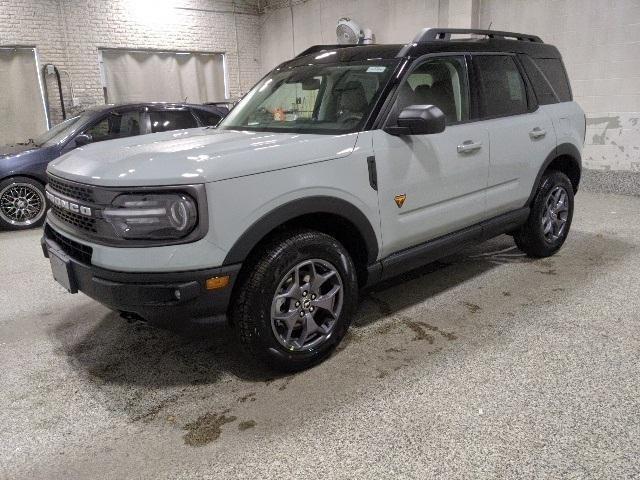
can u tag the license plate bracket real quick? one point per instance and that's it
(62, 270)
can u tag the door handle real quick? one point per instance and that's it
(537, 133)
(469, 146)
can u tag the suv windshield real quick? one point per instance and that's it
(324, 98)
(57, 133)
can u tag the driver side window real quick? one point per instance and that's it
(440, 81)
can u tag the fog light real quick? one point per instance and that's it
(215, 283)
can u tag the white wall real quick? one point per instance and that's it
(68, 34)
(314, 22)
(599, 40)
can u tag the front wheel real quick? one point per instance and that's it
(22, 203)
(548, 224)
(296, 301)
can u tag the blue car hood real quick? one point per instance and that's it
(8, 150)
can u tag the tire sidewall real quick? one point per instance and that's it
(36, 184)
(281, 260)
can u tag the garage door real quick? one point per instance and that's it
(22, 114)
(143, 76)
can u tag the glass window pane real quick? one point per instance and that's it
(166, 120)
(208, 118)
(501, 86)
(116, 125)
(440, 82)
(555, 73)
(322, 98)
(544, 93)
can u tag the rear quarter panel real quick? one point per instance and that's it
(568, 122)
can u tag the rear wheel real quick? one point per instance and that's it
(296, 301)
(22, 203)
(548, 224)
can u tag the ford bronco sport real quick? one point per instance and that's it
(341, 167)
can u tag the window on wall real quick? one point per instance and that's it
(147, 76)
(502, 88)
(21, 101)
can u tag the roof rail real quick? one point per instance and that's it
(319, 48)
(430, 34)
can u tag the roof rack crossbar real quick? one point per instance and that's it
(431, 34)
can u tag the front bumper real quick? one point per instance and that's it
(159, 297)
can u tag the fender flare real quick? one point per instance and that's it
(296, 208)
(562, 150)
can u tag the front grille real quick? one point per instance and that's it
(75, 250)
(72, 190)
(79, 221)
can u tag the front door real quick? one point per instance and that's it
(432, 185)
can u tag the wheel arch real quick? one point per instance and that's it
(331, 215)
(30, 176)
(565, 158)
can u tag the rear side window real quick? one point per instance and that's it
(502, 89)
(541, 86)
(165, 120)
(553, 69)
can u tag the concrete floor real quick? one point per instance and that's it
(487, 364)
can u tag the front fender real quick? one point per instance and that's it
(299, 207)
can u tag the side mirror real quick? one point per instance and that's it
(419, 120)
(83, 139)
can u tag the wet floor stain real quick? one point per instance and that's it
(472, 307)
(206, 429)
(246, 425)
(419, 331)
(551, 271)
(249, 397)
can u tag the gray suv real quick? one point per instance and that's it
(342, 167)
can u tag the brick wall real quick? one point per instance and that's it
(68, 33)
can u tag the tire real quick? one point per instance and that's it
(23, 204)
(547, 227)
(270, 328)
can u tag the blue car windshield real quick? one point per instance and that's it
(57, 133)
(317, 98)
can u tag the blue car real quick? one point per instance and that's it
(23, 166)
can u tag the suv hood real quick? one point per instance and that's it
(196, 156)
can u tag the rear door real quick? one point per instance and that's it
(521, 134)
(432, 185)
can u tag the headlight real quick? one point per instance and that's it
(152, 216)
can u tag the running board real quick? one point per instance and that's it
(424, 253)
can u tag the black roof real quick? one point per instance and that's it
(429, 41)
